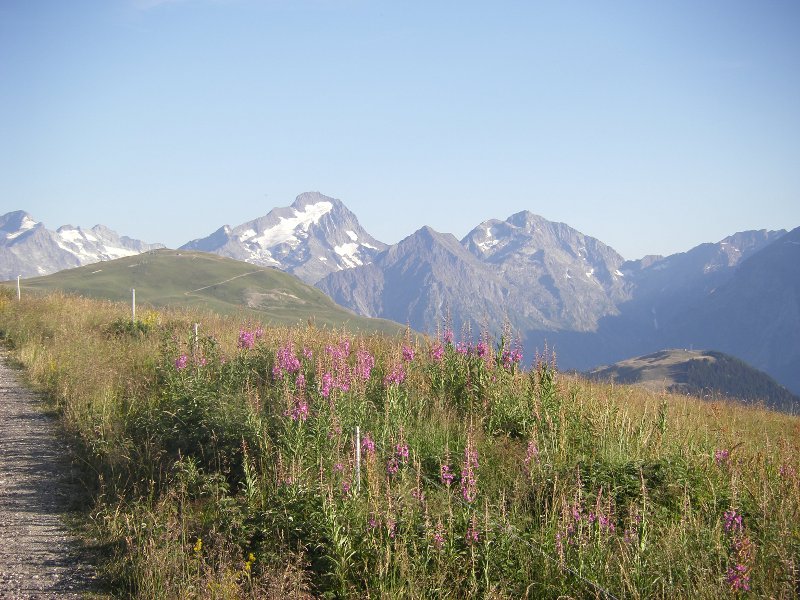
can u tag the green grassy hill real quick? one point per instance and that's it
(207, 281)
(700, 373)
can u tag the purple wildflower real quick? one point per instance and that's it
(307, 353)
(401, 451)
(364, 364)
(733, 522)
(738, 577)
(247, 339)
(299, 411)
(285, 362)
(437, 352)
(448, 336)
(395, 377)
(438, 535)
(473, 533)
(408, 353)
(446, 475)
(181, 362)
(481, 349)
(326, 385)
(368, 445)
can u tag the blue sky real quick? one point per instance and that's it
(653, 126)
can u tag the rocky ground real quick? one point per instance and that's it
(39, 558)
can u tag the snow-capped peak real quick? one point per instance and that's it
(16, 224)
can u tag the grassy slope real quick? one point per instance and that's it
(200, 280)
(199, 469)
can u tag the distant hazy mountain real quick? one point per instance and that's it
(315, 236)
(755, 313)
(700, 373)
(28, 248)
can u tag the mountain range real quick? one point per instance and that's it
(28, 248)
(549, 282)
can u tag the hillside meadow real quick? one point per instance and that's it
(300, 462)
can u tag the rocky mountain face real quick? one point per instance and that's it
(426, 280)
(313, 237)
(29, 249)
(563, 278)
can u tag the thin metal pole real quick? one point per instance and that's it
(133, 305)
(19, 290)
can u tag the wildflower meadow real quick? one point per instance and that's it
(249, 461)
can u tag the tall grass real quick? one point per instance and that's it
(225, 467)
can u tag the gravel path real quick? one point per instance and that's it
(39, 559)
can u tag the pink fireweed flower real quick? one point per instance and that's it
(437, 352)
(721, 457)
(408, 353)
(365, 362)
(446, 475)
(346, 488)
(368, 445)
(259, 333)
(606, 524)
(401, 451)
(439, 535)
(299, 411)
(181, 362)
(733, 522)
(463, 348)
(738, 578)
(473, 532)
(285, 362)
(482, 349)
(392, 466)
(448, 336)
(247, 339)
(395, 377)
(326, 385)
(307, 353)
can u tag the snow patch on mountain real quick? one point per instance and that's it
(26, 225)
(349, 254)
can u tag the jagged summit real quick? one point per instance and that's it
(312, 237)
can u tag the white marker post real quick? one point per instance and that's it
(19, 290)
(358, 459)
(133, 305)
(196, 327)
